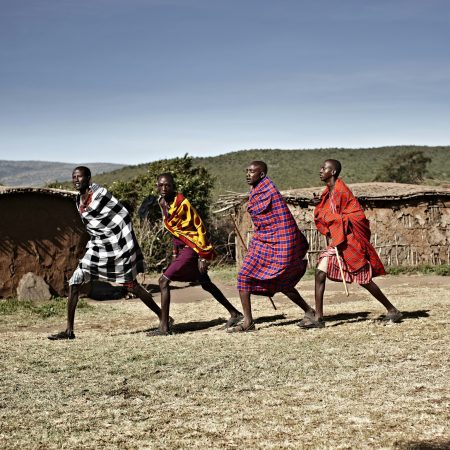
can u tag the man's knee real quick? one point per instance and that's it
(163, 282)
(370, 285)
(207, 285)
(320, 276)
(74, 289)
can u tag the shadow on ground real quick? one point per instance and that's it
(103, 290)
(341, 318)
(274, 321)
(419, 314)
(437, 444)
(344, 318)
(187, 327)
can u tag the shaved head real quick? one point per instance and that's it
(255, 172)
(337, 166)
(167, 175)
(83, 169)
(261, 164)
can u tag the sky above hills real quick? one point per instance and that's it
(131, 81)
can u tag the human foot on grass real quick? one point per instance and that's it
(62, 335)
(232, 321)
(394, 316)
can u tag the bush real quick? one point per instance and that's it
(405, 168)
(193, 181)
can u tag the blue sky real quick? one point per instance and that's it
(132, 81)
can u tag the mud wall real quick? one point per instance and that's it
(410, 232)
(39, 233)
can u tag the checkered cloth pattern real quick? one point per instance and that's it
(275, 259)
(113, 252)
(340, 217)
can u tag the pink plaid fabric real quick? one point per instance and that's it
(274, 262)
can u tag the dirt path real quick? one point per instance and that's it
(186, 293)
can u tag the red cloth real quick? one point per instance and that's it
(274, 262)
(86, 203)
(340, 217)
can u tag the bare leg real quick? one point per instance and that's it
(210, 287)
(74, 291)
(319, 290)
(295, 296)
(378, 294)
(72, 301)
(147, 298)
(247, 308)
(165, 304)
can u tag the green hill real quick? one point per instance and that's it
(300, 168)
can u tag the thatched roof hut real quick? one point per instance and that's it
(40, 232)
(410, 223)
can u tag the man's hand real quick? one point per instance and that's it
(316, 199)
(202, 265)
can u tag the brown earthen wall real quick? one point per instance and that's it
(39, 233)
(404, 233)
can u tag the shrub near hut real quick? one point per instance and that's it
(194, 182)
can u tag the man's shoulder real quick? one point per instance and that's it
(266, 186)
(178, 200)
(96, 186)
(342, 186)
(100, 193)
(98, 189)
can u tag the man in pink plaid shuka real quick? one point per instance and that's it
(275, 259)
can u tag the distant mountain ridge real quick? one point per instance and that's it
(39, 173)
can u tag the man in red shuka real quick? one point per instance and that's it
(339, 216)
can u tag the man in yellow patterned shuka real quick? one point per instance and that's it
(191, 249)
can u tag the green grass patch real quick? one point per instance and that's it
(426, 269)
(226, 273)
(50, 308)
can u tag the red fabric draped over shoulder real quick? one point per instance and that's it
(185, 223)
(340, 217)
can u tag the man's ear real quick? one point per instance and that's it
(262, 175)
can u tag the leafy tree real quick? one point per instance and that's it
(404, 168)
(194, 182)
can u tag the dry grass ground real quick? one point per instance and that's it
(355, 384)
